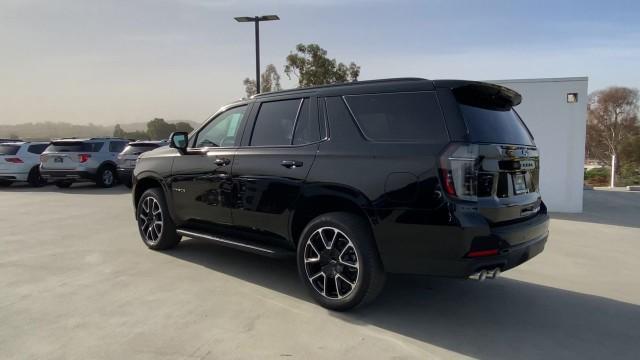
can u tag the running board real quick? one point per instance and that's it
(240, 244)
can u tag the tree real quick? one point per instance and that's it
(158, 129)
(311, 66)
(269, 81)
(183, 126)
(612, 121)
(119, 132)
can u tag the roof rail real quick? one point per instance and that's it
(352, 83)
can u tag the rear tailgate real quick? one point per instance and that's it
(508, 160)
(62, 155)
(7, 153)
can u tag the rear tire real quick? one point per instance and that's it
(5, 183)
(106, 176)
(339, 262)
(64, 184)
(155, 225)
(34, 179)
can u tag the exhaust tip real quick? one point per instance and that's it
(485, 274)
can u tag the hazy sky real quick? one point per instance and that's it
(109, 61)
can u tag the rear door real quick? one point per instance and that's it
(277, 152)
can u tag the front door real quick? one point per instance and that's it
(270, 168)
(201, 179)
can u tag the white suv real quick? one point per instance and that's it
(19, 162)
(69, 160)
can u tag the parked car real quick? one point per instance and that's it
(357, 180)
(19, 161)
(128, 157)
(66, 161)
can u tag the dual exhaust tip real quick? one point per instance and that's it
(485, 274)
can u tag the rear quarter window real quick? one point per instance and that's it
(37, 148)
(9, 149)
(399, 117)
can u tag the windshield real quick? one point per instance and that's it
(137, 149)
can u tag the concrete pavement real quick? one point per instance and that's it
(76, 282)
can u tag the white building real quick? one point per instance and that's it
(555, 110)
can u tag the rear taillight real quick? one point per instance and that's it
(14, 160)
(459, 166)
(43, 158)
(82, 158)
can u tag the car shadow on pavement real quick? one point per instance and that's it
(620, 208)
(80, 188)
(496, 319)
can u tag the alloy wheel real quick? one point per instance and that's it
(331, 263)
(107, 177)
(150, 220)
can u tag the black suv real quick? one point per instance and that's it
(358, 180)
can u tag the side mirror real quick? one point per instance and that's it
(179, 140)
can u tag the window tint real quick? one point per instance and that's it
(399, 116)
(223, 130)
(74, 146)
(9, 149)
(275, 121)
(495, 126)
(307, 129)
(117, 146)
(37, 148)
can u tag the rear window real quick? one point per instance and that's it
(9, 149)
(495, 125)
(403, 117)
(137, 149)
(74, 146)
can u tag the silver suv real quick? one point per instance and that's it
(128, 157)
(69, 160)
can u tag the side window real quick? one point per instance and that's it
(307, 127)
(274, 123)
(92, 146)
(117, 146)
(37, 148)
(223, 130)
(399, 116)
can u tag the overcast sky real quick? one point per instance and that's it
(110, 61)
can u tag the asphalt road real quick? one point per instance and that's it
(76, 282)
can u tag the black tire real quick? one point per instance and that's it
(167, 237)
(64, 184)
(5, 183)
(351, 231)
(106, 176)
(34, 179)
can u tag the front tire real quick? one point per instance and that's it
(156, 227)
(106, 177)
(338, 261)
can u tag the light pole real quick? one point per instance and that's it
(256, 20)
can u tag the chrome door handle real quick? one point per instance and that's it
(291, 164)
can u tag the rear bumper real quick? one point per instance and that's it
(14, 176)
(67, 175)
(442, 250)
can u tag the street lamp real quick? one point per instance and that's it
(256, 20)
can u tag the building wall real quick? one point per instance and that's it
(559, 129)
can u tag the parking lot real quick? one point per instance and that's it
(77, 283)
